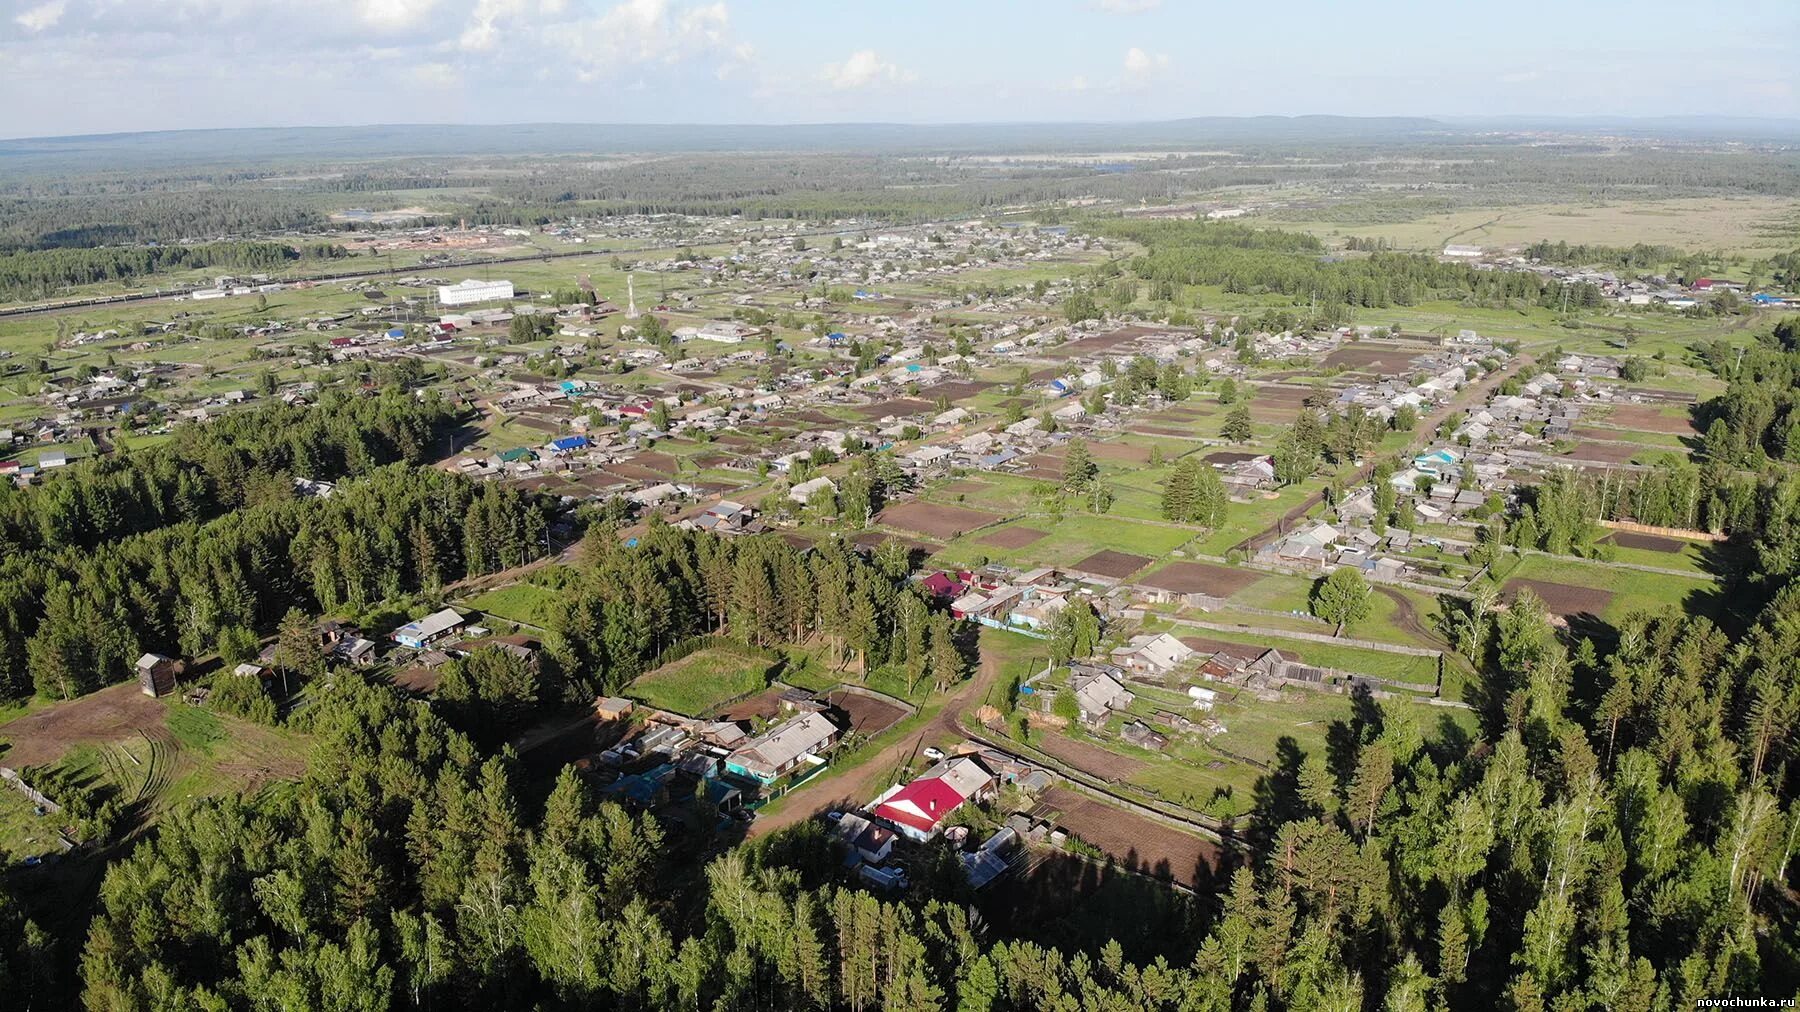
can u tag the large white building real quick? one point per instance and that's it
(467, 293)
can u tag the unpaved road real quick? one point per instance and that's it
(855, 788)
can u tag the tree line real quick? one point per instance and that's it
(40, 273)
(633, 602)
(208, 469)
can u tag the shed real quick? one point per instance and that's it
(156, 674)
(612, 707)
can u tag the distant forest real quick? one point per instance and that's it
(244, 184)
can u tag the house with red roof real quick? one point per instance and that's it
(918, 809)
(944, 586)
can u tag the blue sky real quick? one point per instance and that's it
(79, 66)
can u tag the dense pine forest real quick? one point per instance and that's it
(41, 273)
(1618, 836)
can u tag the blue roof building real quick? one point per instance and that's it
(567, 443)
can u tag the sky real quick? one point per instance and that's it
(93, 66)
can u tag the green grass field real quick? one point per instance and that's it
(1631, 589)
(520, 603)
(701, 682)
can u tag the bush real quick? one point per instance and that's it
(242, 696)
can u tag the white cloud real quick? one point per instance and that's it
(1142, 67)
(1128, 6)
(44, 15)
(435, 75)
(394, 13)
(862, 69)
(641, 32)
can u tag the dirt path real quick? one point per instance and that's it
(1423, 433)
(1407, 618)
(856, 787)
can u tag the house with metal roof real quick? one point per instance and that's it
(435, 626)
(918, 809)
(782, 749)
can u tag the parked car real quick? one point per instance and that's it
(934, 753)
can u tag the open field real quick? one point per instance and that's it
(156, 752)
(44, 735)
(935, 521)
(1746, 226)
(701, 682)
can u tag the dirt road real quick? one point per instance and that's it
(1407, 618)
(856, 787)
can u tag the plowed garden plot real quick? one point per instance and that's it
(1606, 453)
(107, 715)
(1119, 452)
(634, 472)
(1647, 542)
(1012, 537)
(1111, 564)
(1229, 456)
(1648, 419)
(764, 704)
(1385, 361)
(1139, 843)
(1560, 598)
(661, 463)
(1200, 578)
(1097, 343)
(899, 408)
(1090, 759)
(868, 716)
(934, 520)
(959, 390)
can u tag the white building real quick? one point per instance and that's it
(467, 293)
(1462, 251)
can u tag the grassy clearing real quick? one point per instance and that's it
(701, 682)
(197, 730)
(1631, 589)
(520, 603)
(1420, 671)
(1732, 225)
(1070, 538)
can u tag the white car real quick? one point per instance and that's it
(934, 753)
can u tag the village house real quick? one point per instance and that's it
(918, 809)
(783, 748)
(1097, 693)
(1154, 654)
(422, 632)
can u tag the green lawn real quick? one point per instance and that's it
(521, 603)
(701, 682)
